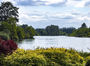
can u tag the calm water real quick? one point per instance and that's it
(56, 41)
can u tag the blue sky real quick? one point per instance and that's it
(64, 13)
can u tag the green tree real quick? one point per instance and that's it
(83, 25)
(81, 32)
(10, 28)
(29, 31)
(52, 30)
(68, 30)
(20, 33)
(41, 31)
(7, 10)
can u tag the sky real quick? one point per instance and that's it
(64, 13)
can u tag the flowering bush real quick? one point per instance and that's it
(7, 46)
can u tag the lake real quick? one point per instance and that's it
(57, 42)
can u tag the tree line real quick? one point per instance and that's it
(54, 30)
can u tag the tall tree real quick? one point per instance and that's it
(7, 10)
(83, 25)
(52, 30)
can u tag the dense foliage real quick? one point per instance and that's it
(4, 36)
(29, 31)
(7, 10)
(44, 57)
(17, 32)
(54, 30)
(7, 46)
(67, 31)
(83, 31)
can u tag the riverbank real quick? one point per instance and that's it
(46, 57)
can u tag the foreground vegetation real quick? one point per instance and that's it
(46, 57)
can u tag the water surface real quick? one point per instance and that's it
(56, 41)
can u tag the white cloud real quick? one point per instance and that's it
(49, 2)
(13, 1)
(32, 18)
(83, 18)
(76, 3)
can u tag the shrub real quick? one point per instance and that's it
(7, 46)
(43, 57)
(22, 58)
(63, 57)
(87, 61)
(4, 36)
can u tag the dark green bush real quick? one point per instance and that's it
(88, 63)
(4, 36)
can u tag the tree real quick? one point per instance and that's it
(29, 31)
(24, 26)
(83, 25)
(68, 30)
(52, 30)
(7, 10)
(9, 28)
(20, 33)
(41, 31)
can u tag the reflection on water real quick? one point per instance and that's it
(56, 41)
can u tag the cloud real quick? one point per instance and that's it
(73, 3)
(87, 3)
(13, 1)
(32, 18)
(41, 2)
(76, 3)
(43, 16)
(30, 2)
(54, 2)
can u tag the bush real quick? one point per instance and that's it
(43, 57)
(22, 58)
(87, 61)
(63, 57)
(7, 46)
(4, 36)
